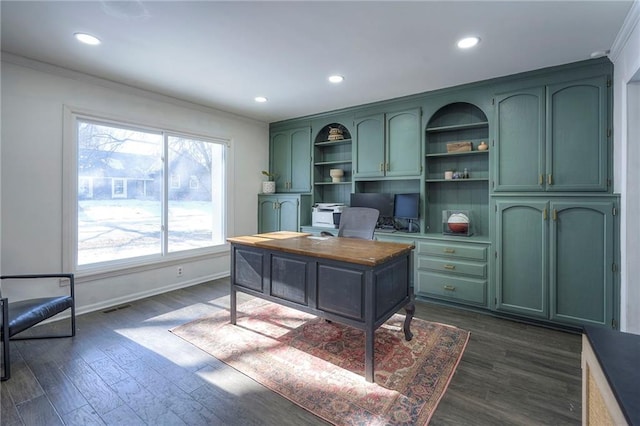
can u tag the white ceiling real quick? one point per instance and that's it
(223, 54)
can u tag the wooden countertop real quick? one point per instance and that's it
(352, 250)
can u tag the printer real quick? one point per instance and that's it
(326, 215)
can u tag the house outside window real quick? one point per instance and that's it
(127, 210)
(118, 188)
(194, 183)
(174, 182)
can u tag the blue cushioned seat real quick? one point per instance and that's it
(21, 315)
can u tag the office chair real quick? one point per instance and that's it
(356, 222)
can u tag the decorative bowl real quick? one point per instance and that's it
(336, 175)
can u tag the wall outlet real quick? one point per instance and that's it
(179, 271)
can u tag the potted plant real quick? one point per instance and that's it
(269, 186)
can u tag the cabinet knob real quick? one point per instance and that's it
(549, 179)
(450, 267)
(544, 214)
(554, 214)
(540, 179)
(449, 288)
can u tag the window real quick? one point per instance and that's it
(127, 210)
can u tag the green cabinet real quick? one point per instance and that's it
(555, 259)
(553, 138)
(388, 145)
(283, 212)
(291, 159)
(453, 271)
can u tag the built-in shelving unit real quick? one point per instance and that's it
(457, 122)
(328, 155)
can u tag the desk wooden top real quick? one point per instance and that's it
(351, 250)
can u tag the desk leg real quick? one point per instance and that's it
(369, 339)
(410, 309)
(232, 303)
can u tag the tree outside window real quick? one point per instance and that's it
(125, 208)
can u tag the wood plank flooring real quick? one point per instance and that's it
(125, 368)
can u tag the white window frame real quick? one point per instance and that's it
(116, 194)
(70, 192)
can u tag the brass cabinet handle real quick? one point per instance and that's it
(449, 250)
(450, 267)
(549, 179)
(449, 288)
(555, 214)
(544, 214)
(540, 180)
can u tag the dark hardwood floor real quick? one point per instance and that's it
(124, 367)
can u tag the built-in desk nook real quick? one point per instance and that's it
(356, 282)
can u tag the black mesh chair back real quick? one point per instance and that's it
(358, 222)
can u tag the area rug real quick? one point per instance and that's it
(319, 365)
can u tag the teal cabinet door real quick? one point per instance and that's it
(281, 159)
(577, 149)
(403, 143)
(553, 138)
(288, 214)
(520, 141)
(268, 215)
(582, 262)
(369, 156)
(522, 257)
(291, 159)
(300, 160)
(283, 212)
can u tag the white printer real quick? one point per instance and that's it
(326, 215)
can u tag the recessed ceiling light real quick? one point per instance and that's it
(260, 99)
(336, 79)
(87, 39)
(468, 42)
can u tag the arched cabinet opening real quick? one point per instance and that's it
(332, 164)
(457, 167)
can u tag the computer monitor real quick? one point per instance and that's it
(407, 206)
(380, 201)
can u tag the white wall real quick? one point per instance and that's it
(625, 55)
(33, 99)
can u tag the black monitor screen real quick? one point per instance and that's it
(407, 206)
(379, 201)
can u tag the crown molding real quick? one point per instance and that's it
(629, 25)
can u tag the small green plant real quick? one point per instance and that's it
(271, 176)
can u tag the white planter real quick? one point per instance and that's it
(269, 187)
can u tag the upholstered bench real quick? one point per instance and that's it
(21, 315)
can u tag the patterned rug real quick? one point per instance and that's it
(320, 365)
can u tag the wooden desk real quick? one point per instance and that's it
(359, 283)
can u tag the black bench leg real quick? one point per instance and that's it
(6, 358)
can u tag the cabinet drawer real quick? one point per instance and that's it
(453, 288)
(453, 250)
(448, 266)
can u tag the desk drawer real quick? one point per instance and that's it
(447, 287)
(453, 250)
(447, 266)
